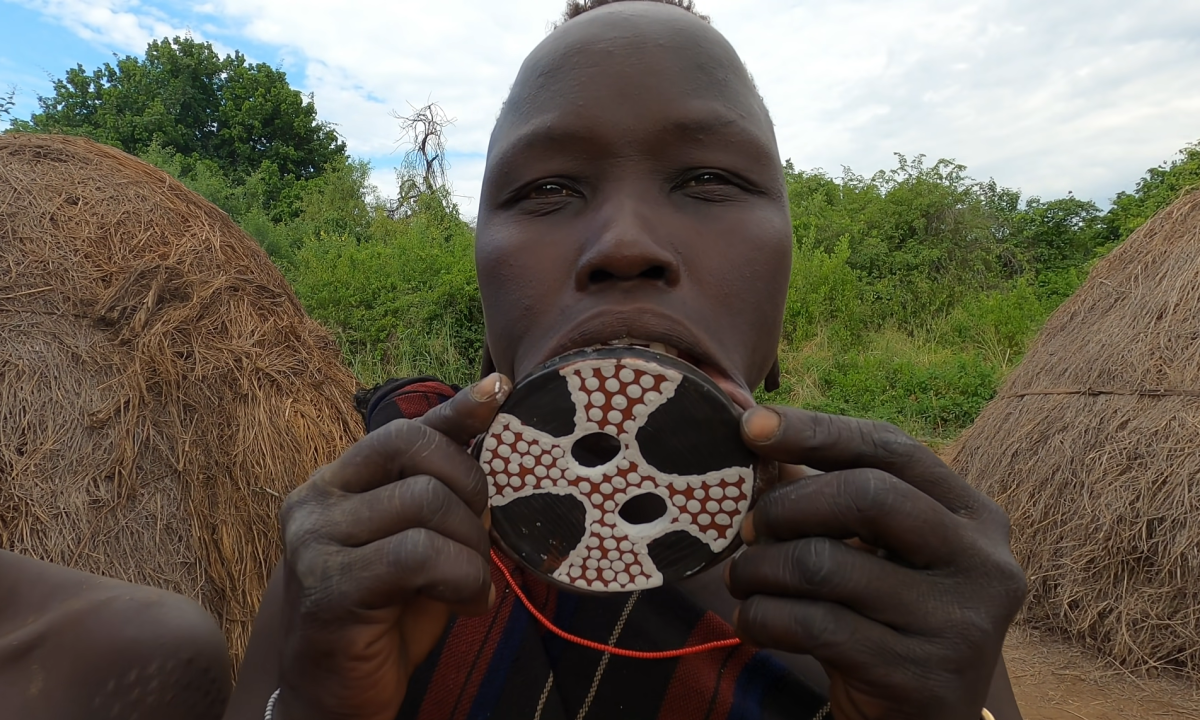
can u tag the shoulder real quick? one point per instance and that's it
(78, 645)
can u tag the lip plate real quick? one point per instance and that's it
(625, 351)
(555, 364)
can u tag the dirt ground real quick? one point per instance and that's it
(1056, 681)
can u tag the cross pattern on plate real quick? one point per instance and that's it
(615, 397)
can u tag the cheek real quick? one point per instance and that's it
(520, 276)
(747, 263)
(746, 273)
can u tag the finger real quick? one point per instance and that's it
(401, 449)
(418, 501)
(831, 571)
(417, 561)
(833, 442)
(834, 635)
(863, 503)
(469, 414)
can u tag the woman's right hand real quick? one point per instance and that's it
(380, 548)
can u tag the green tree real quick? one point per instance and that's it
(7, 101)
(1059, 233)
(1159, 187)
(243, 118)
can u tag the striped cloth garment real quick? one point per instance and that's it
(506, 666)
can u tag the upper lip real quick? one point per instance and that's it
(645, 324)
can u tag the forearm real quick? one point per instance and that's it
(1001, 701)
(258, 675)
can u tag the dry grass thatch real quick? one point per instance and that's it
(1093, 447)
(160, 387)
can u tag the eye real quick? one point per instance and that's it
(706, 178)
(551, 190)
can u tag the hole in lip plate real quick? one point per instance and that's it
(643, 508)
(595, 449)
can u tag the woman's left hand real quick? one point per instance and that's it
(913, 630)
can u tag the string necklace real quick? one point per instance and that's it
(610, 649)
(637, 654)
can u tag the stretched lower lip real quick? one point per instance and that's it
(738, 394)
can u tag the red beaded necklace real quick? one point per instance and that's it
(637, 654)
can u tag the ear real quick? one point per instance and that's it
(771, 381)
(487, 366)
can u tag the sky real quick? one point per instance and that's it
(1049, 96)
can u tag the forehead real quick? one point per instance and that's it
(628, 70)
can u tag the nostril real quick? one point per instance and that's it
(656, 273)
(597, 277)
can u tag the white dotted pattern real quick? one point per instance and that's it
(613, 553)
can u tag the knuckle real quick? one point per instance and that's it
(970, 632)
(869, 493)
(990, 512)
(811, 562)
(413, 554)
(403, 439)
(428, 496)
(890, 441)
(419, 439)
(299, 517)
(291, 507)
(821, 626)
(320, 583)
(1014, 587)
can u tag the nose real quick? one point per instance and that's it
(626, 247)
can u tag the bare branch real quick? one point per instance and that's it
(423, 171)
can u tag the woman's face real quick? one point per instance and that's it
(634, 191)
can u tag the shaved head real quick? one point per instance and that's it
(575, 8)
(634, 189)
(668, 36)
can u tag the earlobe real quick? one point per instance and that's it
(771, 381)
(487, 366)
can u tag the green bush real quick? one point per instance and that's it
(932, 397)
(404, 300)
(913, 291)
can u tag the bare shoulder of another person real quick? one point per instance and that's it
(75, 645)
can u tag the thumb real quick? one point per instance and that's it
(469, 414)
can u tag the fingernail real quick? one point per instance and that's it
(748, 528)
(492, 597)
(487, 519)
(736, 611)
(761, 424)
(491, 387)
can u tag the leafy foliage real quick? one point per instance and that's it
(1159, 187)
(913, 290)
(7, 102)
(221, 115)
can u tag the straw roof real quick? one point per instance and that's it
(1093, 448)
(161, 389)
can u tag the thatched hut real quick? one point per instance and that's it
(1093, 447)
(161, 389)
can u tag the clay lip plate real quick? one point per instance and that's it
(711, 396)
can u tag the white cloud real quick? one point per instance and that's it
(124, 25)
(365, 59)
(1078, 95)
